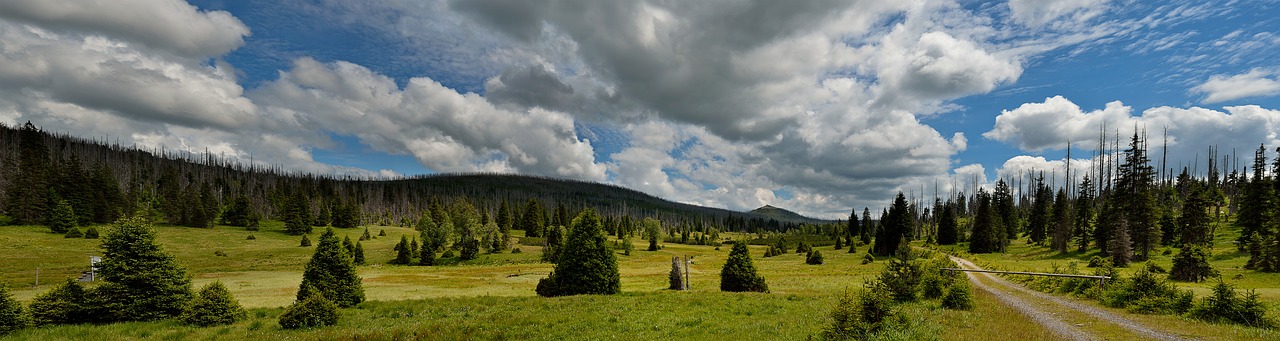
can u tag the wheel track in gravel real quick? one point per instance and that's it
(999, 288)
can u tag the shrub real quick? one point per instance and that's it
(314, 311)
(65, 304)
(305, 241)
(73, 232)
(1226, 306)
(813, 258)
(959, 296)
(91, 233)
(214, 305)
(1098, 261)
(516, 250)
(739, 274)
(381, 233)
(932, 286)
(1145, 293)
(585, 264)
(12, 315)
(900, 278)
(250, 237)
(1155, 268)
(859, 314)
(868, 258)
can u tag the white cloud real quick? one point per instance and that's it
(443, 129)
(1037, 13)
(1255, 83)
(170, 25)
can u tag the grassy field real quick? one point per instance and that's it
(493, 297)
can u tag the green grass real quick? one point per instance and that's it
(493, 297)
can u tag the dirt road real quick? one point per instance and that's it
(1054, 312)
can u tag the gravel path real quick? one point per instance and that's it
(1066, 331)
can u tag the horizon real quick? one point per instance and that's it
(816, 109)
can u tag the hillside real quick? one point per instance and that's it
(782, 214)
(99, 180)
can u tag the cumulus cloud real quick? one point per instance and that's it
(1255, 83)
(169, 25)
(445, 130)
(938, 66)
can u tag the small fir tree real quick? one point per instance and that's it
(305, 241)
(73, 232)
(586, 265)
(402, 252)
(1191, 264)
(91, 233)
(64, 304)
(813, 258)
(358, 256)
(332, 273)
(12, 315)
(143, 283)
(214, 305)
(313, 311)
(739, 274)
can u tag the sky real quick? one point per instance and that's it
(816, 106)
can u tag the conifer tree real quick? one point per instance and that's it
(28, 193)
(948, 227)
(402, 252)
(305, 241)
(1061, 222)
(143, 283)
(897, 225)
(358, 256)
(332, 273)
(347, 244)
(12, 315)
(1083, 228)
(346, 216)
(238, 213)
(653, 232)
(554, 242)
(74, 232)
(532, 221)
(1135, 195)
(63, 217)
(1120, 249)
(813, 258)
(64, 304)
(1038, 224)
(296, 216)
(739, 274)
(1256, 202)
(983, 238)
(213, 305)
(868, 229)
(587, 265)
(315, 310)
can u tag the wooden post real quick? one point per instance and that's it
(687, 285)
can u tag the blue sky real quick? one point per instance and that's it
(815, 106)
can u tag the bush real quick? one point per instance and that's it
(739, 274)
(859, 314)
(73, 232)
(813, 258)
(1098, 261)
(1226, 306)
(250, 237)
(959, 296)
(1145, 293)
(65, 304)
(91, 233)
(516, 250)
(214, 305)
(12, 315)
(932, 286)
(900, 278)
(314, 311)
(1155, 268)
(305, 241)
(868, 258)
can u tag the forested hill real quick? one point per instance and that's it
(782, 214)
(100, 181)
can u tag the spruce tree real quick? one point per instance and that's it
(12, 315)
(1061, 222)
(315, 310)
(358, 256)
(143, 283)
(1135, 195)
(739, 274)
(346, 216)
(212, 306)
(1192, 264)
(532, 221)
(403, 252)
(1007, 222)
(62, 218)
(586, 265)
(67, 303)
(1083, 228)
(1038, 224)
(948, 227)
(28, 193)
(1256, 203)
(813, 258)
(238, 212)
(553, 243)
(332, 273)
(983, 238)
(897, 225)
(297, 215)
(867, 228)
(1120, 248)
(305, 241)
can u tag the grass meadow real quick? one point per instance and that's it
(493, 297)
